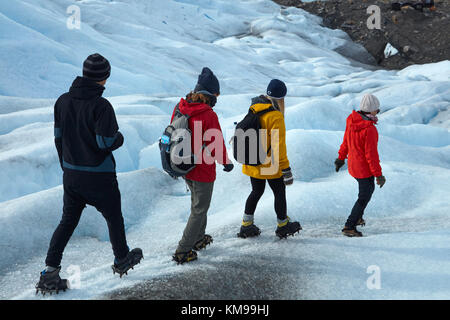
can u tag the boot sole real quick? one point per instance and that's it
(352, 235)
(244, 236)
(184, 261)
(50, 292)
(290, 234)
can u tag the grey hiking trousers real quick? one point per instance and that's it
(201, 194)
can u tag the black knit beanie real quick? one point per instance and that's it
(96, 68)
(276, 89)
(208, 82)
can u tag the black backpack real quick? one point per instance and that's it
(247, 144)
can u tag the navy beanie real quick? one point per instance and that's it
(208, 82)
(96, 68)
(276, 89)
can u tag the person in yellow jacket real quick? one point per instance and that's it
(275, 169)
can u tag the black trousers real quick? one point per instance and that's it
(100, 191)
(279, 191)
(366, 189)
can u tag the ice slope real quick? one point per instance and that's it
(158, 40)
(157, 48)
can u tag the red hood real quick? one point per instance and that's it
(356, 122)
(191, 109)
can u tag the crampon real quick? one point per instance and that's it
(183, 257)
(201, 244)
(290, 229)
(124, 265)
(51, 282)
(361, 222)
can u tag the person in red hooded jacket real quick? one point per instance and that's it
(360, 146)
(209, 147)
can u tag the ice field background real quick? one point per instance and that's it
(157, 49)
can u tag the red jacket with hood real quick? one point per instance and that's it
(204, 114)
(360, 145)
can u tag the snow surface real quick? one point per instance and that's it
(157, 49)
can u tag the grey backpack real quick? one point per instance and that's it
(175, 146)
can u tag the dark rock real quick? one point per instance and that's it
(425, 34)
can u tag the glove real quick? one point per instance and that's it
(228, 167)
(381, 180)
(338, 163)
(287, 176)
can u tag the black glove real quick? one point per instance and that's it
(338, 163)
(228, 167)
(381, 180)
(287, 176)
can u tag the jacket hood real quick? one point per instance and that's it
(260, 103)
(192, 108)
(85, 89)
(356, 122)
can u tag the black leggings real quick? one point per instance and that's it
(366, 189)
(279, 191)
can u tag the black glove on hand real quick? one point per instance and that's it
(287, 176)
(338, 163)
(228, 167)
(381, 180)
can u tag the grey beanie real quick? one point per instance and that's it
(369, 103)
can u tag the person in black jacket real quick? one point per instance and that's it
(86, 133)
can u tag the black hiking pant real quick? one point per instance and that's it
(100, 191)
(279, 191)
(366, 189)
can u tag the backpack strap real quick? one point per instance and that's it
(259, 114)
(179, 113)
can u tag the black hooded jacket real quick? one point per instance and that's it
(86, 129)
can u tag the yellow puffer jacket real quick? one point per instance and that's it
(273, 122)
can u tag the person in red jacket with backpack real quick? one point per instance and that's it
(200, 180)
(360, 146)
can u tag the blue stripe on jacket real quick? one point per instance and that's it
(105, 142)
(107, 166)
(58, 132)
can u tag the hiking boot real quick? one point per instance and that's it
(361, 222)
(201, 244)
(51, 282)
(288, 229)
(249, 231)
(123, 265)
(351, 232)
(182, 257)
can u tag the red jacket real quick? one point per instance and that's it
(360, 144)
(202, 114)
